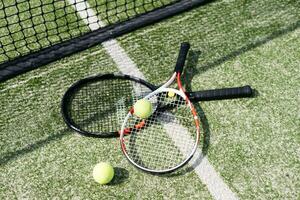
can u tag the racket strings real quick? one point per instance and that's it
(96, 106)
(164, 141)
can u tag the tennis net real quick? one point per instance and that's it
(36, 32)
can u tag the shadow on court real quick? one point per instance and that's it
(121, 175)
(10, 156)
(252, 45)
(192, 63)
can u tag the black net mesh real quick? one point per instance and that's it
(27, 26)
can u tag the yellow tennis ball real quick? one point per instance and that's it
(142, 108)
(171, 94)
(103, 173)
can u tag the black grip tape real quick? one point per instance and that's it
(219, 94)
(184, 49)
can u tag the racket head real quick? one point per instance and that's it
(166, 140)
(95, 106)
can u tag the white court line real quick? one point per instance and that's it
(199, 163)
(124, 63)
(206, 172)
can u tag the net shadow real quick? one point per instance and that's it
(252, 45)
(11, 156)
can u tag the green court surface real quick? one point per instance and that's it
(253, 144)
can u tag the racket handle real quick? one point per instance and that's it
(184, 49)
(219, 94)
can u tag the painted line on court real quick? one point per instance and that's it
(206, 172)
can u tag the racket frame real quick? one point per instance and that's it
(181, 93)
(67, 99)
(164, 88)
(204, 95)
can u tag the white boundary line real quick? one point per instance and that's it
(206, 172)
(124, 63)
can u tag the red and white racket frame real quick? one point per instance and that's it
(164, 88)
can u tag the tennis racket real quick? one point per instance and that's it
(168, 139)
(92, 106)
(96, 106)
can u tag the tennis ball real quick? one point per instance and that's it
(171, 94)
(103, 173)
(142, 108)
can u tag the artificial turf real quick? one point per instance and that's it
(252, 143)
